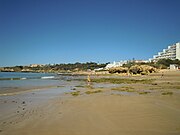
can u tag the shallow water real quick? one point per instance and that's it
(13, 82)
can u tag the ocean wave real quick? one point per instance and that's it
(28, 78)
(24, 78)
(47, 77)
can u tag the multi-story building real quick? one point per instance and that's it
(172, 52)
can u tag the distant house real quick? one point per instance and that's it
(122, 62)
(35, 65)
(116, 64)
(98, 69)
(141, 61)
(174, 67)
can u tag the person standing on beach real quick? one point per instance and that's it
(88, 79)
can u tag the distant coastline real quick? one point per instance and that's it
(134, 67)
(55, 68)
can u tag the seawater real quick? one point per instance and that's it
(20, 75)
(16, 80)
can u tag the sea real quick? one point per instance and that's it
(10, 81)
(23, 76)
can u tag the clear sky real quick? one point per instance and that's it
(68, 31)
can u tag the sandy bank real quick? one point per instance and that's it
(103, 115)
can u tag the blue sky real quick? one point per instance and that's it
(68, 31)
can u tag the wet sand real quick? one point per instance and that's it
(104, 113)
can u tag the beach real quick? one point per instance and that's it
(142, 108)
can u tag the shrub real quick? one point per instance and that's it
(167, 93)
(76, 93)
(94, 91)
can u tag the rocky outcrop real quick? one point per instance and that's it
(142, 69)
(136, 69)
(118, 70)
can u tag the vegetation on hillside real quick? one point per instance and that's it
(130, 67)
(70, 67)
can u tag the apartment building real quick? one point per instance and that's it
(172, 52)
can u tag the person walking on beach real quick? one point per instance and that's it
(88, 79)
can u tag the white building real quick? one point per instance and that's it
(174, 67)
(141, 61)
(172, 52)
(116, 64)
(36, 65)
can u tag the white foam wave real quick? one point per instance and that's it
(47, 77)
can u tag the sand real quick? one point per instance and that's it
(101, 113)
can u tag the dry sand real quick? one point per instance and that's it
(102, 113)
